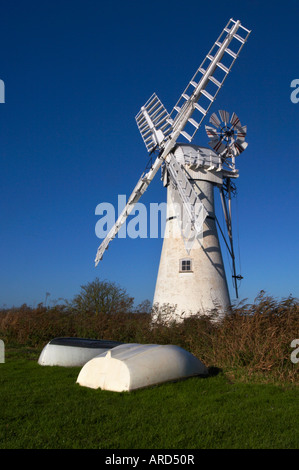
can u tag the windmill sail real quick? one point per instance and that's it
(204, 86)
(139, 189)
(160, 131)
(152, 122)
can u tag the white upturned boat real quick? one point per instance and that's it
(73, 352)
(132, 366)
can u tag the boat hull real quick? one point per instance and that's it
(132, 366)
(73, 352)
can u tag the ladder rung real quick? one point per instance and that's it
(220, 65)
(210, 57)
(207, 95)
(201, 70)
(165, 123)
(219, 44)
(245, 29)
(194, 123)
(167, 131)
(233, 54)
(150, 101)
(199, 108)
(143, 130)
(158, 124)
(177, 108)
(157, 111)
(185, 96)
(239, 38)
(152, 108)
(140, 119)
(187, 136)
(143, 126)
(214, 80)
(160, 116)
(193, 83)
(144, 134)
(162, 128)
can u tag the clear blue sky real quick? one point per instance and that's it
(76, 74)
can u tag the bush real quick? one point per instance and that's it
(102, 297)
(253, 340)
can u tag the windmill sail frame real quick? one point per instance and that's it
(160, 130)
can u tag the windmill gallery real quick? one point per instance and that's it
(191, 276)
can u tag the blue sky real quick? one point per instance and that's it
(76, 73)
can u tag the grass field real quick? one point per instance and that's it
(44, 408)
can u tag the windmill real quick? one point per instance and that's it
(191, 273)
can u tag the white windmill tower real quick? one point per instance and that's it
(191, 274)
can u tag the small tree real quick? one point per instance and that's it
(144, 307)
(102, 297)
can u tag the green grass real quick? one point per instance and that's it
(43, 407)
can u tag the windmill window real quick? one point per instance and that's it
(185, 265)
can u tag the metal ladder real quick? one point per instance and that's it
(192, 210)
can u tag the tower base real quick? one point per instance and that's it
(192, 282)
